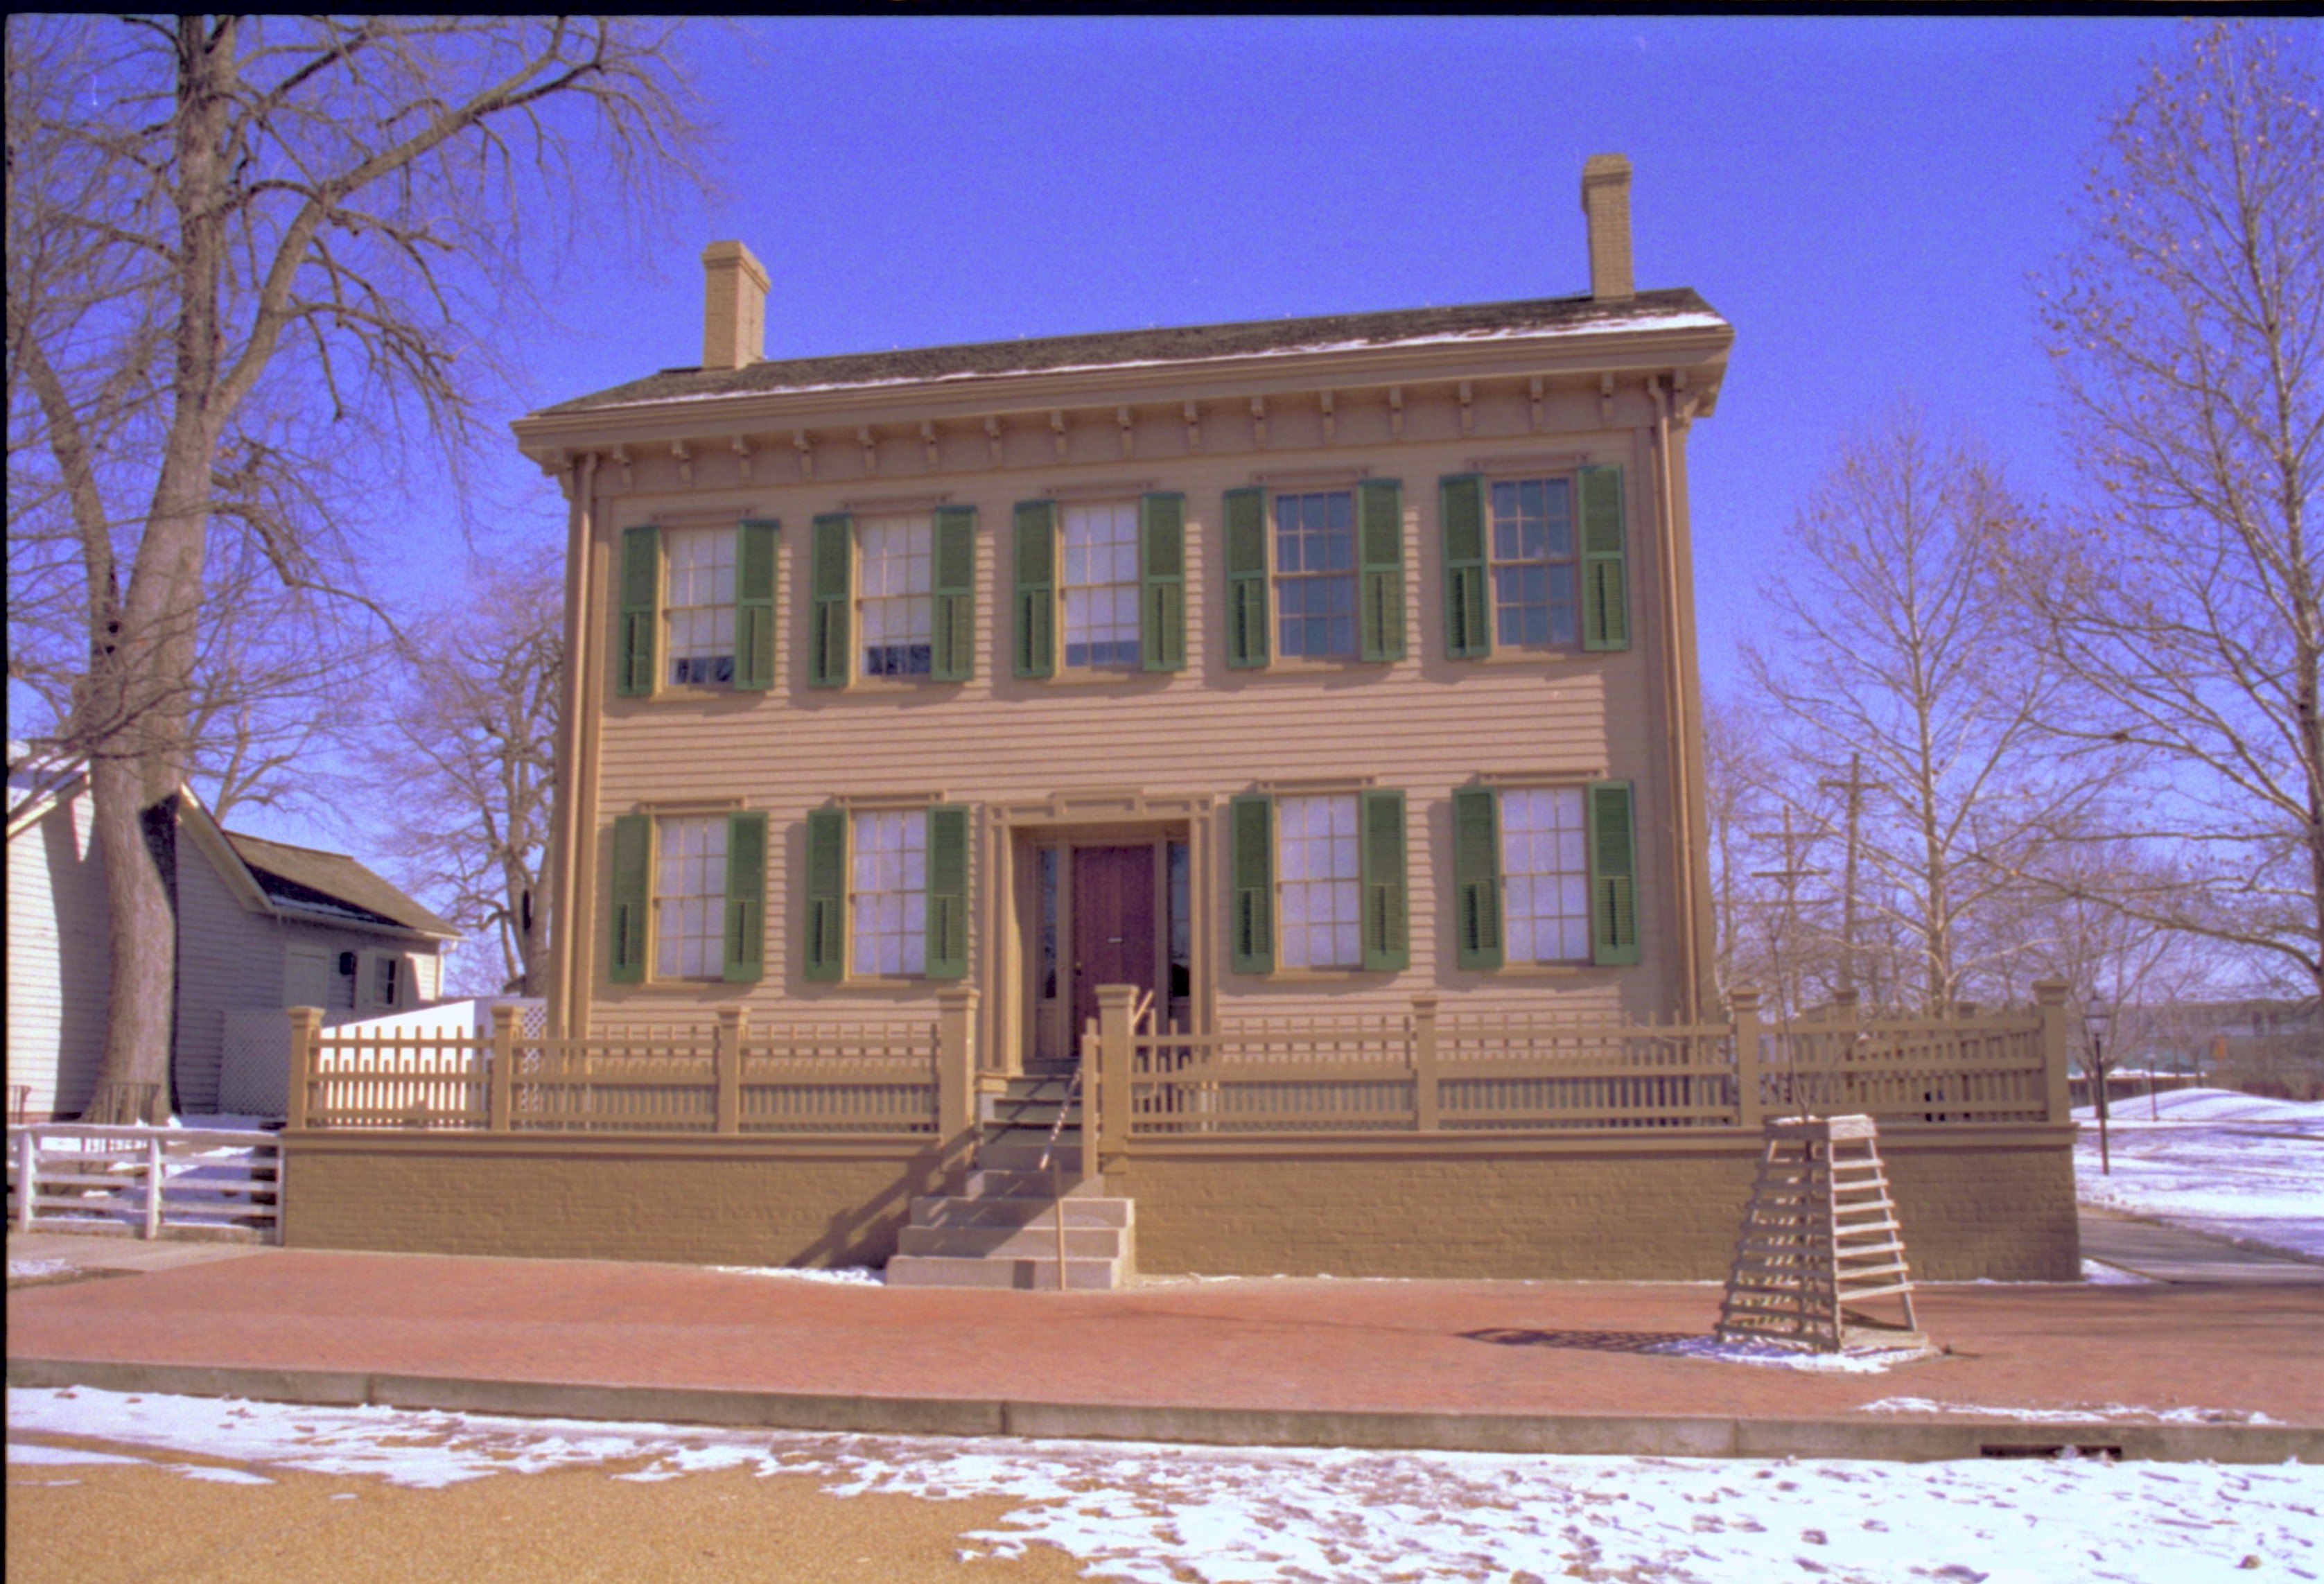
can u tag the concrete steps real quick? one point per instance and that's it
(1000, 1230)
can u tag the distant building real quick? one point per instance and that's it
(262, 925)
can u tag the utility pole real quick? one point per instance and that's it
(1790, 874)
(1854, 786)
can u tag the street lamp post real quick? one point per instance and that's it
(2095, 1018)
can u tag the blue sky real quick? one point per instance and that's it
(1865, 200)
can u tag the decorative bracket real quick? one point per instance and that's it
(684, 463)
(805, 453)
(629, 473)
(1534, 390)
(1606, 400)
(871, 448)
(1396, 411)
(1468, 417)
(742, 455)
(1331, 420)
(1258, 422)
(1194, 416)
(1057, 429)
(1128, 434)
(992, 438)
(929, 441)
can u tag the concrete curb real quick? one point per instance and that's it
(1895, 1439)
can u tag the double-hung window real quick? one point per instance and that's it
(689, 897)
(1544, 875)
(1316, 574)
(1533, 562)
(1101, 585)
(887, 893)
(1319, 882)
(697, 607)
(895, 596)
(1536, 600)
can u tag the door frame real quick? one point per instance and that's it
(1108, 818)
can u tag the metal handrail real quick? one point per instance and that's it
(1050, 1164)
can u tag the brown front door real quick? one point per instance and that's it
(1114, 937)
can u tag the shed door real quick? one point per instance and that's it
(1115, 938)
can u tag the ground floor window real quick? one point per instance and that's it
(888, 922)
(690, 898)
(1318, 889)
(1545, 874)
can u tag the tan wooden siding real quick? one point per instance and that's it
(1426, 725)
(59, 959)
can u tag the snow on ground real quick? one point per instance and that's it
(838, 1275)
(33, 1270)
(2236, 1165)
(1155, 1514)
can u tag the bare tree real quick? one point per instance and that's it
(466, 769)
(1903, 667)
(232, 243)
(2187, 603)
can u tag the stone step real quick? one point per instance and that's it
(986, 1183)
(1024, 1274)
(1023, 1152)
(963, 1210)
(1012, 1242)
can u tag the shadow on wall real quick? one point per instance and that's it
(84, 960)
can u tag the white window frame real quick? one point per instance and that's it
(887, 893)
(1496, 563)
(1278, 579)
(689, 897)
(1118, 589)
(697, 616)
(1545, 874)
(913, 605)
(1318, 880)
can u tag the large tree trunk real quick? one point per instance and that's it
(133, 1083)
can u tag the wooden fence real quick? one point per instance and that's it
(70, 1176)
(878, 1079)
(1420, 1074)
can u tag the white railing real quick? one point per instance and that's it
(70, 1176)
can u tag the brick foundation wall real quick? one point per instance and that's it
(1996, 1203)
(744, 1202)
(1999, 1205)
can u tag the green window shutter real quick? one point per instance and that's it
(746, 897)
(1162, 580)
(1605, 565)
(1381, 861)
(947, 895)
(1246, 512)
(754, 604)
(826, 925)
(1379, 536)
(1036, 588)
(633, 674)
(1477, 875)
(1613, 875)
(632, 872)
(831, 586)
(955, 582)
(1468, 602)
(1253, 926)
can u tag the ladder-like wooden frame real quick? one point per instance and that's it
(1820, 1234)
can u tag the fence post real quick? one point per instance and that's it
(727, 1059)
(1085, 1051)
(502, 1077)
(1743, 1011)
(306, 1030)
(955, 1066)
(1423, 1063)
(28, 1176)
(153, 1171)
(2050, 1002)
(1113, 1056)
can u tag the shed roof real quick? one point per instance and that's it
(1675, 307)
(305, 879)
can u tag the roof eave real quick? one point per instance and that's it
(1641, 349)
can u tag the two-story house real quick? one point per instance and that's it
(1282, 670)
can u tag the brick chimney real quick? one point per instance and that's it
(1606, 200)
(734, 307)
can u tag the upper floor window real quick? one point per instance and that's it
(895, 596)
(1536, 597)
(1101, 585)
(1315, 573)
(698, 609)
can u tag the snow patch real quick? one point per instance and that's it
(2098, 1273)
(2238, 1166)
(1869, 1361)
(838, 1275)
(30, 1270)
(2100, 1411)
(1142, 1513)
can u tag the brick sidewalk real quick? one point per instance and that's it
(1485, 1348)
